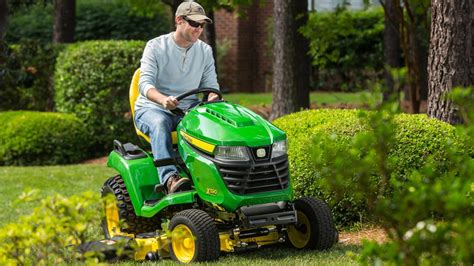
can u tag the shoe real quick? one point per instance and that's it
(176, 183)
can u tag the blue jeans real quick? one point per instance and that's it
(158, 125)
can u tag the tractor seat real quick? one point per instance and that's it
(133, 95)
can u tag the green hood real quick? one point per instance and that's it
(227, 124)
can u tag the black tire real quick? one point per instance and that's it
(132, 224)
(194, 225)
(315, 228)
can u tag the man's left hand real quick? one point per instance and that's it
(212, 97)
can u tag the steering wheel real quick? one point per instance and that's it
(206, 91)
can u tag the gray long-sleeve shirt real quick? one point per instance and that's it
(174, 70)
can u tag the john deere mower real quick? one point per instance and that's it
(241, 195)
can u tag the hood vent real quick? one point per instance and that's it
(233, 116)
(221, 117)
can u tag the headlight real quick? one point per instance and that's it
(279, 148)
(237, 153)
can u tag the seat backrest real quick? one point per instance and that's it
(133, 96)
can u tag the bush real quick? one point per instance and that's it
(31, 22)
(346, 47)
(417, 138)
(34, 138)
(92, 80)
(425, 208)
(45, 236)
(94, 21)
(27, 74)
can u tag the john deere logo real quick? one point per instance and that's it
(261, 153)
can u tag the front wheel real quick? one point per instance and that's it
(315, 228)
(194, 237)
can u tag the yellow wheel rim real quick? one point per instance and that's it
(112, 216)
(182, 242)
(300, 234)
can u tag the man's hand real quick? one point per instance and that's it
(212, 97)
(170, 103)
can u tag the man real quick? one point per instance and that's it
(172, 64)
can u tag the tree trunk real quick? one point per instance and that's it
(64, 21)
(173, 4)
(303, 60)
(449, 59)
(287, 81)
(3, 18)
(391, 48)
(211, 36)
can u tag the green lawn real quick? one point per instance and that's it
(319, 98)
(74, 179)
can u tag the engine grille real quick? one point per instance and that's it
(255, 178)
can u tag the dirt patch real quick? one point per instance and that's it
(101, 160)
(355, 238)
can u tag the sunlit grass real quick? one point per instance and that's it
(69, 180)
(320, 98)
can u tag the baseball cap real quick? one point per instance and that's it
(193, 11)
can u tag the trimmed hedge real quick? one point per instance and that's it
(92, 80)
(417, 136)
(41, 138)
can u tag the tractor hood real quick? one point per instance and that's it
(226, 124)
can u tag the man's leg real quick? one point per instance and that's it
(158, 124)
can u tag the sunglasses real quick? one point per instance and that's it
(193, 23)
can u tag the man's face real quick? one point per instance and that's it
(189, 29)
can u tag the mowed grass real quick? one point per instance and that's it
(319, 98)
(66, 180)
(70, 180)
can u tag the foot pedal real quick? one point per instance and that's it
(150, 202)
(159, 188)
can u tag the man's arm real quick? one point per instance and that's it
(168, 102)
(148, 73)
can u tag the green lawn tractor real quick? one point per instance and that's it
(241, 195)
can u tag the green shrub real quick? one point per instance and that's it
(92, 80)
(35, 138)
(99, 21)
(346, 47)
(422, 200)
(31, 22)
(95, 20)
(45, 236)
(417, 138)
(28, 76)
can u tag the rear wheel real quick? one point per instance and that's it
(120, 218)
(194, 237)
(315, 228)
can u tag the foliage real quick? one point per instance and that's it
(31, 22)
(417, 138)
(94, 20)
(36, 138)
(27, 76)
(346, 47)
(92, 80)
(426, 207)
(45, 236)
(116, 20)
